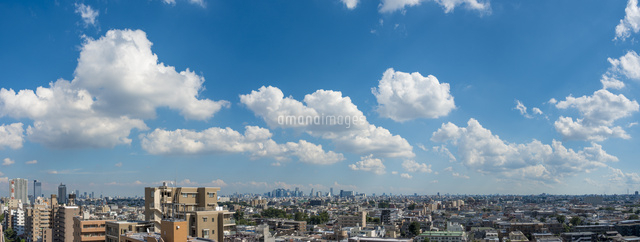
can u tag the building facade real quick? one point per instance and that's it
(19, 189)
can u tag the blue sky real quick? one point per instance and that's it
(113, 96)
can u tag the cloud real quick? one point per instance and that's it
(119, 164)
(87, 13)
(403, 96)
(445, 151)
(11, 135)
(31, 162)
(627, 65)
(631, 21)
(599, 112)
(255, 141)
(458, 175)
(413, 166)
(523, 109)
(609, 82)
(406, 176)
(368, 163)
(219, 183)
(4, 179)
(618, 176)
(450, 168)
(328, 115)
(390, 6)
(536, 111)
(7, 162)
(200, 3)
(118, 82)
(484, 152)
(393, 172)
(350, 4)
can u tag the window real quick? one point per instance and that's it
(212, 194)
(204, 219)
(205, 233)
(193, 195)
(184, 195)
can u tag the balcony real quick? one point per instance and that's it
(228, 222)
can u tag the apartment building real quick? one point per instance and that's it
(63, 223)
(37, 219)
(358, 220)
(198, 206)
(443, 236)
(114, 229)
(87, 230)
(171, 230)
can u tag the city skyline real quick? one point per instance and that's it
(390, 96)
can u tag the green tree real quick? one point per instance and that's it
(321, 218)
(575, 221)
(426, 240)
(238, 215)
(414, 228)
(412, 206)
(10, 235)
(561, 218)
(633, 217)
(274, 213)
(300, 216)
(543, 219)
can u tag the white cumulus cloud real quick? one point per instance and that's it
(117, 84)
(328, 115)
(11, 135)
(87, 14)
(255, 141)
(368, 163)
(405, 96)
(486, 153)
(599, 112)
(389, 6)
(627, 65)
(413, 166)
(631, 21)
(350, 4)
(7, 162)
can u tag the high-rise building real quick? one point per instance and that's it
(37, 190)
(331, 192)
(19, 189)
(62, 194)
(63, 223)
(38, 219)
(197, 205)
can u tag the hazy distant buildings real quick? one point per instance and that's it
(37, 191)
(19, 189)
(62, 194)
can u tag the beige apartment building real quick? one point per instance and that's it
(114, 229)
(87, 230)
(63, 223)
(198, 206)
(358, 220)
(37, 219)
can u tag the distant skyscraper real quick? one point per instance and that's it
(19, 189)
(37, 190)
(62, 194)
(331, 192)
